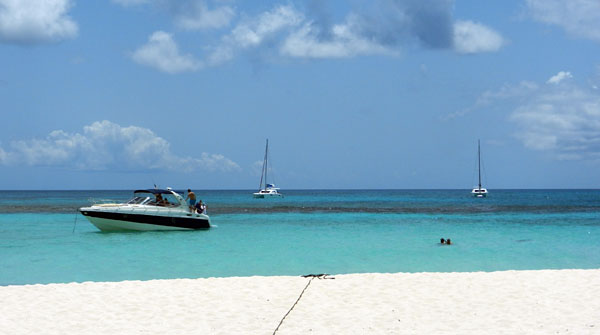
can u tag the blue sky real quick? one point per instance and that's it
(121, 94)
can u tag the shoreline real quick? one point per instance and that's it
(530, 301)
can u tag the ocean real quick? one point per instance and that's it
(43, 239)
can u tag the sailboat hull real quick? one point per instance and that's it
(479, 193)
(266, 195)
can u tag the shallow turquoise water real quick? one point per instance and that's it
(45, 241)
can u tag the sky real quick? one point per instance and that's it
(356, 94)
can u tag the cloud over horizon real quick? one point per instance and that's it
(36, 22)
(105, 145)
(558, 117)
(563, 119)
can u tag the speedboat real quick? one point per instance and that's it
(151, 209)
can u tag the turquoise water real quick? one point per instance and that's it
(44, 240)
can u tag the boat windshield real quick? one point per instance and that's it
(137, 200)
(162, 200)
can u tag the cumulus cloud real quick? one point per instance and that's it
(36, 21)
(253, 32)
(383, 27)
(105, 145)
(197, 15)
(471, 37)
(578, 17)
(161, 52)
(343, 40)
(562, 119)
(562, 75)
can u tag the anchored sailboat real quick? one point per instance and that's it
(479, 192)
(269, 190)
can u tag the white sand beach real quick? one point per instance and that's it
(507, 302)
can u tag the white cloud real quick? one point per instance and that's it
(471, 37)
(161, 52)
(198, 16)
(562, 75)
(561, 119)
(384, 32)
(388, 32)
(577, 17)
(35, 21)
(254, 32)
(558, 117)
(344, 41)
(566, 122)
(105, 145)
(385, 28)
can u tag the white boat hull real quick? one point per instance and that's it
(479, 193)
(113, 219)
(267, 195)
(119, 225)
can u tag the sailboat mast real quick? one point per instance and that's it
(263, 172)
(266, 162)
(479, 161)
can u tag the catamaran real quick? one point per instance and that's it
(479, 192)
(269, 190)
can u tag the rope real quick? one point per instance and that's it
(75, 223)
(312, 276)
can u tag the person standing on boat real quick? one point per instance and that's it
(200, 207)
(192, 198)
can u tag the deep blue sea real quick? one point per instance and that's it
(44, 240)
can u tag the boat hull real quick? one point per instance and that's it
(110, 221)
(267, 195)
(479, 193)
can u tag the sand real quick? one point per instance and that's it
(507, 302)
